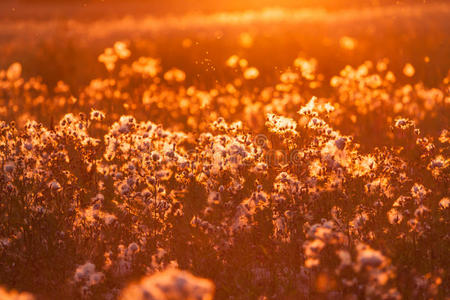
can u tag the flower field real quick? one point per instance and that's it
(227, 157)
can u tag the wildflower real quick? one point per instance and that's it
(340, 143)
(97, 115)
(155, 156)
(14, 295)
(281, 125)
(175, 75)
(14, 71)
(251, 73)
(170, 284)
(419, 192)
(445, 136)
(409, 70)
(395, 216)
(54, 185)
(369, 257)
(232, 61)
(347, 43)
(307, 67)
(146, 66)
(121, 49)
(214, 198)
(108, 58)
(289, 77)
(133, 248)
(9, 167)
(61, 87)
(124, 188)
(404, 124)
(314, 247)
(345, 257)
(421, 211)
(444, 203)
(316, 123)
(28, 146)
(243, 63)
(87, 277)
(309, 108)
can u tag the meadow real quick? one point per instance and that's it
(258, 154)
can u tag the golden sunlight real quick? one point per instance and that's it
(196, 149)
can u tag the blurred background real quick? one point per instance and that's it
(114, 8)
(62, 39)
